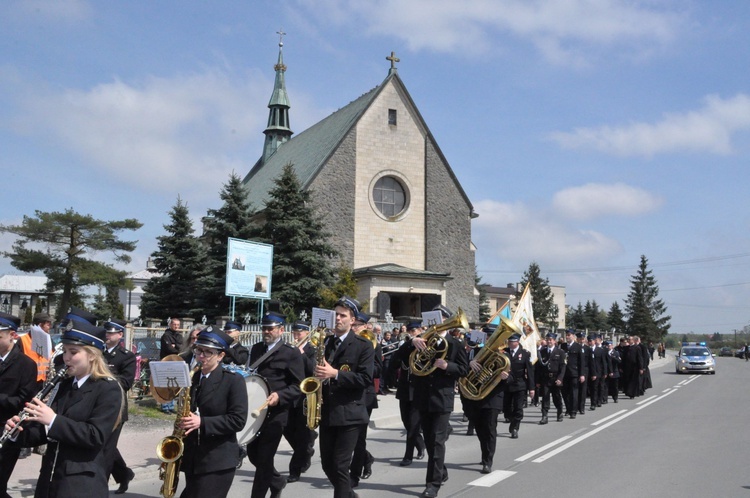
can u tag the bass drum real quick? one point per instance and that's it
(257, 393)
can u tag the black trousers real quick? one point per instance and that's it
(336, 450)
(214, 484)
(301, 438)
(613, 387)
(555, 392)
(582, 395)
(513, 406)
(361, 455)
(570, 395)
(8, 458)
(116, 466)
(410, 419)
(485, 426)
(435, 427)
(595, 391)
(261, 451)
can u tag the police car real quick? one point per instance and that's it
(695, 357)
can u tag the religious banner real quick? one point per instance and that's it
(524, 318)
(503, 311)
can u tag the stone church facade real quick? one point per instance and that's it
(397, 213)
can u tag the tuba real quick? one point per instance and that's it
(370, 336)
(310, 386)
(422, 363)
(492, 358)
(169, 450)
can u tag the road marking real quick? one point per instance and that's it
(542, 449)
(597, 430)
(691, 379)
(607, 418)
(646, 400)
(493, 478)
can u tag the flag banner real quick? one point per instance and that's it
(524, 318)
(503, 311)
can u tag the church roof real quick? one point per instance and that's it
(393, 270)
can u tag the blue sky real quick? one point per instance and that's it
(585, 132)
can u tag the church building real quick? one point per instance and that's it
(396, 211)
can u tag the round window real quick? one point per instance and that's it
(389, 196)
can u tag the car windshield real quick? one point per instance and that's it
(695, 352)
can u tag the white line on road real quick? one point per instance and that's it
(646, 400)
(691, 379)
(542, 449)
(607, 418)
(492, 479)
(598, 429)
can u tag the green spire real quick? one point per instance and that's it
(277, 132)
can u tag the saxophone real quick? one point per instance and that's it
(477, 385)
(170, 449)
(310, 386)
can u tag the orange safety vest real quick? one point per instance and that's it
(42, 363)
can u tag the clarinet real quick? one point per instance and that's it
(51, 383)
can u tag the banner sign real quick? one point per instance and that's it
(249, 269)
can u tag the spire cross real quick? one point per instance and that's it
(281, 34)
(393, 60)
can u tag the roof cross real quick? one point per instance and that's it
(393, 60)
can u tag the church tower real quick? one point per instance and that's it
(277, 132)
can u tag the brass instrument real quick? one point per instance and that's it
(24, 414)
(422, 362)
(477, 385)
(170, 449)
(310, 386)
(370, 336)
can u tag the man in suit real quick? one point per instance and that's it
(573, 373)
(121, 363)
(549, 375)
(282, 366)
(346, 374)
(433, 397)
(613, 378)
(521, 380)
(18, 385)
(237, 354)
(583, 387)
(300, 437)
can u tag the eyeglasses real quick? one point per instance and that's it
(203, 352)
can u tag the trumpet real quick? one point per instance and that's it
(24, 414)
(422, 363)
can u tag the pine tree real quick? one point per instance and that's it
(615, 318)
(301, 253)
(644, 309)
(180, 264)
(484, 302)
(545, 310)
(575, 318)
(232, 220)
(345, 285)
(108, 305)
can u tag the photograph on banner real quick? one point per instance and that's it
(249, 269)
(323, 318)
(430, 318)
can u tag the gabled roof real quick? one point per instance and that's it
(394, 270)
(309, 151)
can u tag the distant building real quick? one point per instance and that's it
(131, 298)
(21, 292)
(498, 296)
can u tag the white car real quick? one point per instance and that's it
(695, 358)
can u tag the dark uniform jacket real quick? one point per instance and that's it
(399, 362)
(599, 362)
(17, 383)
(614, 360)
(221, 402)
(574, 367)
(550, 367)
(121, 363)
(521, 371)
(283, 369)
(586, 371)
(435, 392)
(237, 354)
(344, 398)
(74, 463)
(377, 367)
(171, 343)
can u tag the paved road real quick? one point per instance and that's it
(683, 438)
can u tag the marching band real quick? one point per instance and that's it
(323, 386)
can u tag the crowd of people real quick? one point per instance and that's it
(82, 420)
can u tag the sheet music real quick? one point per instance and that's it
(41, 343)
(170, 373)
(430, 318)
(323, 318)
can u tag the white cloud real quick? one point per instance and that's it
(595, 200)
(708, 129)
(517, 234)
(563, 30)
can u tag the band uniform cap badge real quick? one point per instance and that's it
(345, 368)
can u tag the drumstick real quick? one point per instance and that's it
(256, 413)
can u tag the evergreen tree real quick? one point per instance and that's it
(643, 307)
(545, 310)
(596, 319)
(575, 317)
(301, 253)
(67, 239)
(345, 285)
(232, 220)
(615, 318)
(179, 264)
(484, 301)
(108, 305)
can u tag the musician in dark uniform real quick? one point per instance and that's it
(549, 375)
(121, 363)
(405, 396)
(362, 460)
(521, 381)
(613, 378)
(433, 397)
(17, 386)
(573, 373)
(300, 437)
(583, 387)
(483, 413)
(80, 419)
(218, 400)
(346, 375)
(599, 371)
(237, 353)
(282, 366)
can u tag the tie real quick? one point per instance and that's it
(75, 385)
(336, 344)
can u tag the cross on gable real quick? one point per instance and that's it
(393, 60)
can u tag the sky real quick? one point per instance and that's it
(586, 133)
